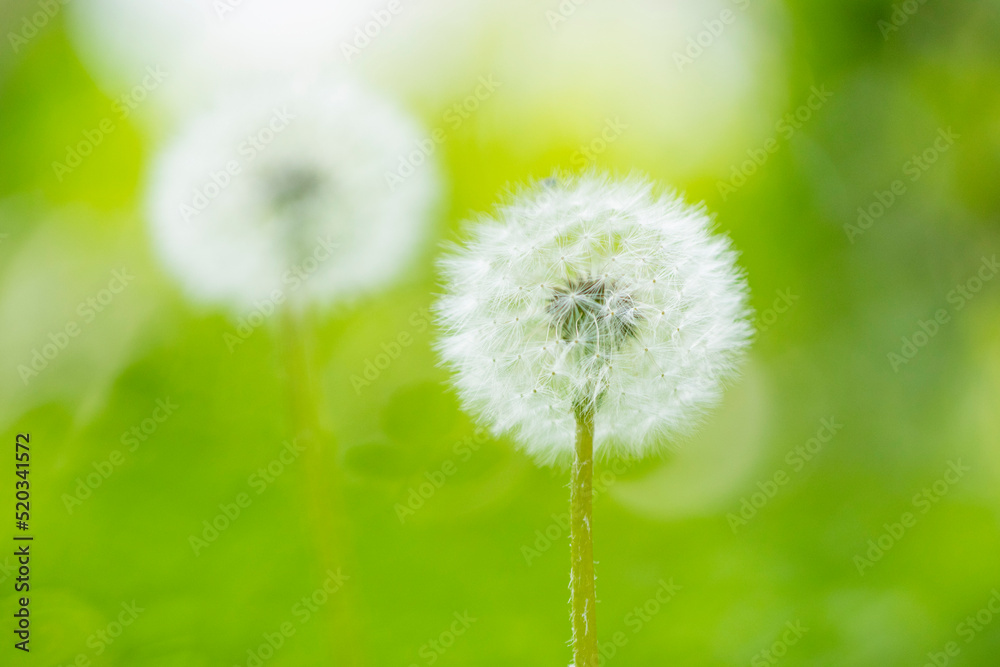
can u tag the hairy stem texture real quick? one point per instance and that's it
(582, 584)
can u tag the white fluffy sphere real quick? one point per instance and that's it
(286, 192)
(585, 293)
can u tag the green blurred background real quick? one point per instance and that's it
(834, 299)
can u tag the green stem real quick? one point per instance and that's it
(324, 490)
(582, 580)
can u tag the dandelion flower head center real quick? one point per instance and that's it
(594, 315)
(297, 195)
(293, 187)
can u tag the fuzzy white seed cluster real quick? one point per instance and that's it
(587, 293)
(282, 191)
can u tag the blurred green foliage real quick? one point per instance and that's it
(478, 543)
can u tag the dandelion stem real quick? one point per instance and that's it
(582, 580)
(324, 489)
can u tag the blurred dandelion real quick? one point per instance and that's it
(591, 314)
(276, 202)
(284, 190)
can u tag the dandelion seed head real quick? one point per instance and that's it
(588, 292)
(286, 190)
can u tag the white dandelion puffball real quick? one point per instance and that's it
(285, 195)
(588, 294)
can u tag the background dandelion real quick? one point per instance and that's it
(277, 203)
(283, 190)
(486, 540)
